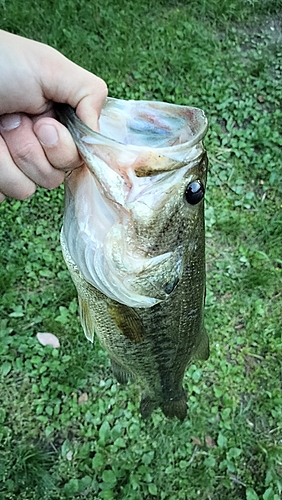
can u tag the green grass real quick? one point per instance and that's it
(226, 58)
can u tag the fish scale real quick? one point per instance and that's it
(140, 274)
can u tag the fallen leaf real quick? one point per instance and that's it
(83, 398)
(48, 339)
(196, 440)
(261, 98)
(209, 442)
(240, 326)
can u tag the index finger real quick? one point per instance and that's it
(89, 108)
(75, 86)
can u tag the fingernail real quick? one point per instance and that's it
(47, 135)
(10, 122)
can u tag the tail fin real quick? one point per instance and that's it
(172, 408)
(147, 406)
(175, 408)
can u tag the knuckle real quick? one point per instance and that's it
(24, 152)
(103, 88)
(97, 87)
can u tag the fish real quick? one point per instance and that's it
(133, 239)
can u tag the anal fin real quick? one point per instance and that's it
(120, 373)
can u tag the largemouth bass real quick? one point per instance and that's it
(133, 240)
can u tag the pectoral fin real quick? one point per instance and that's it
(128, 321)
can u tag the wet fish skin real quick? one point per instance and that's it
(153, 342)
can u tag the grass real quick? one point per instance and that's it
(226, 58)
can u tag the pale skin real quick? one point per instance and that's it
(35, 149)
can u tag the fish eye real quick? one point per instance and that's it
(194, 192)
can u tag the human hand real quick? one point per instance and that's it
(35, 149)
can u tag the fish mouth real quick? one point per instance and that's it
(151, 136)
